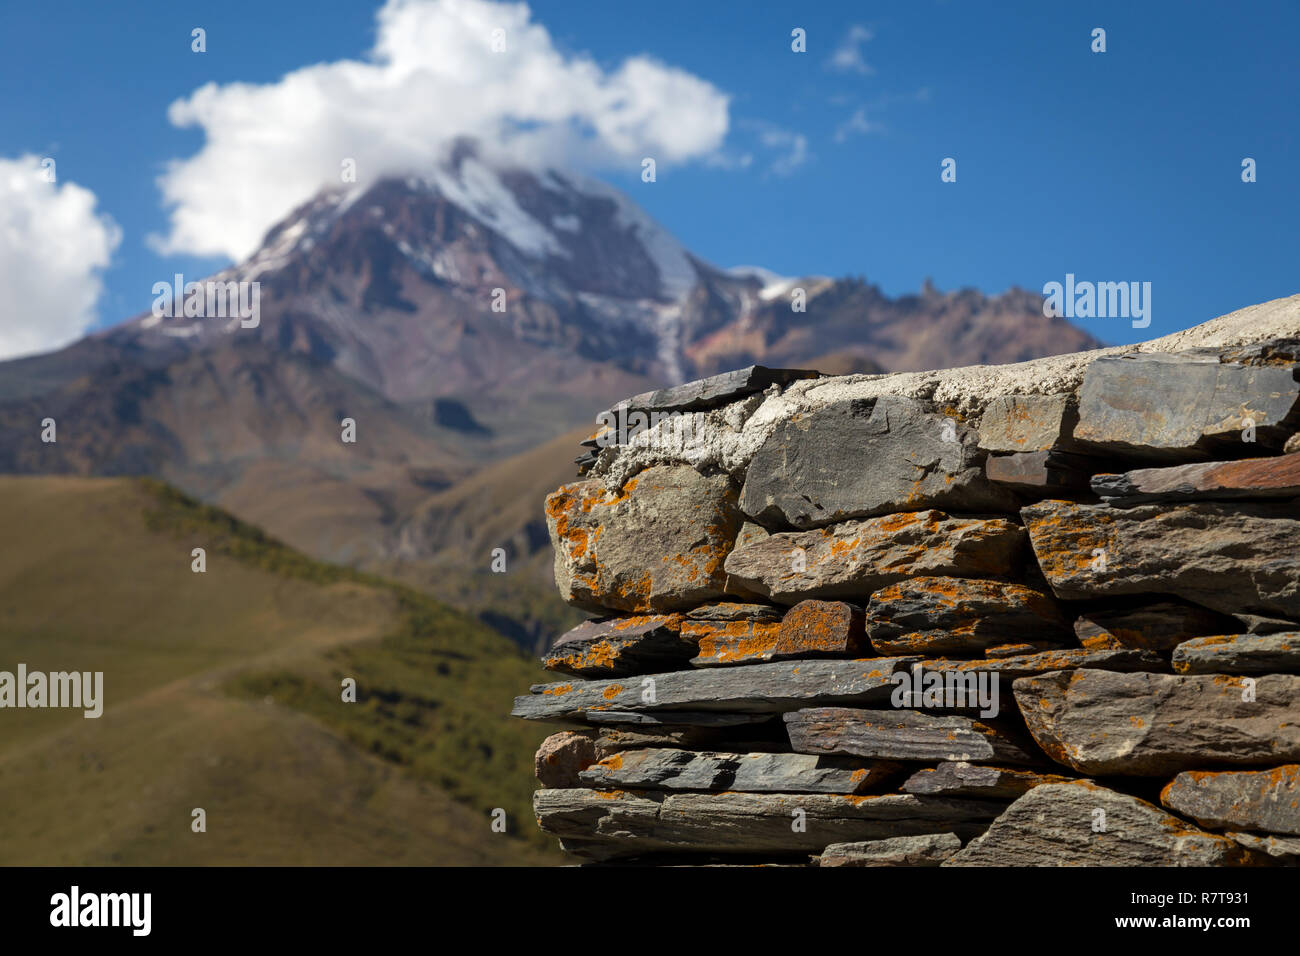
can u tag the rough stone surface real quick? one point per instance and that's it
(809, 629)
(1283, 849)
(930, 849)
(1022, 665)
(1039, 473)
(1227, 556)
(1027, 423)
(1160, 626)
(712, 391)
(860, 459)
(855, 558)
(932, 615)
(618, 646)
(658, 544)
(667, 769)
(733, 611)
(1061, 825)
(902, 735)
(1203, 400)
(962, 779)
(612, 824)
(1277, 477)
(1101, 722)
(562, 756)
(757, 688)
(1267, 800)
(1239, 654)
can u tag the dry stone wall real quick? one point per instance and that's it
(1027, 615)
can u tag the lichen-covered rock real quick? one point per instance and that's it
(1159, 626)
(860, 459)
(933, 615)
(903, 735)
(809, 629)
(1102, 722)
(1239, 654)
(605, 825)
(1176, 407)
(658, 544)
(754, 688)
(1251, 478)
(855, 558)
(929, 849)
(1040, 662)
(669, 769)
(1082, 824)
(1227, 556)
(1267, 800)
(1285, 850)
(562, 756)
(735, 611)
(618, 646)
(962, 779)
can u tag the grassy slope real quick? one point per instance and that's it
(222, 692)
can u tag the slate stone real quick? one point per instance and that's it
(858, 459)
(746, 738)
(711, 392)
(1159, 626)
(1041, 662)
(618, 646)
(669, 719)
(903, 735)
(935, 615)
(656, 545)
(855, 558)
(809, 629)
(1231, 557)
(1258, 800)
(1285, 850)
(1164, 406)
(1028, 423)
(606, 825)
(1239, 654)
(1083, 824)
(756, 688)
(930, 849)
(1102, 722)
(1277, 477)
(1038, 473)
(733, 611)
(562, 756)
(668, 769)
(962, 779)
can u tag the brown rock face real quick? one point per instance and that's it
(1267, 800)
(855, 558)
(656, 545)
(1160, 626)
(562, 756)
(1082, 824)
(619, 646)
(930, 849)
(1102, 722)
(1229, 557)
(931, 615)
(1252, 478)
(1239, 654)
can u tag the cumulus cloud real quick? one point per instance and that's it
(439, 70)
(53, 247)
(847, 57)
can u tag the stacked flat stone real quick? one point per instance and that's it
(1111, 538)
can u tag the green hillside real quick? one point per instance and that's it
(222, 691)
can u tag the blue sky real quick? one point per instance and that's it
(1115, 166)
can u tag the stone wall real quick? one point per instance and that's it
(1036, 614)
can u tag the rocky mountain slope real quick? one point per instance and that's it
(1036, 614)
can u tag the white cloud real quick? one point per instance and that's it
(53, 247)
(431, 77)
(857, 124)
(795, 146)
(847, 57)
